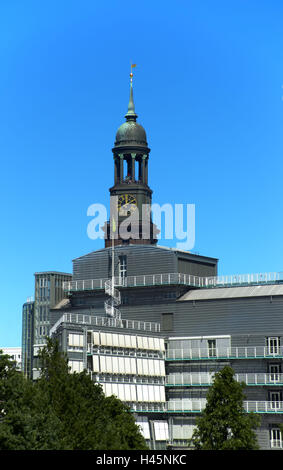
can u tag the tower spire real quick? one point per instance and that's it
(131, 115)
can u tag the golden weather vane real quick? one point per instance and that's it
(131, 74)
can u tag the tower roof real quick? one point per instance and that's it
(130, 133)
(131, 115)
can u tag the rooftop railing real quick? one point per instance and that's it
(105, 322)
(244, 279)
(189, 280)
(135, 281)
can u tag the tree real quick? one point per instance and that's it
(224, 424)
(61, 411)
(90, 421)
(27, 421)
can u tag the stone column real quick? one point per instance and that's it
(143, 168)
(146, 169)
(133, 166)
(121, 176)
(115, 169)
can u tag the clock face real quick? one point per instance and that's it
(127, 204)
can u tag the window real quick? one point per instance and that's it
(273, 345)
(46, 313)
(167, 321)
(48, 289)
(275, 438)
(161, 430)
(170, 295)
(142, 421)
(122, 269)
(274, 373)
(211, 344)
(275, 398)
(43, 282)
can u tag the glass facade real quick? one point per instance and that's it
(27, 337)
(48, 292)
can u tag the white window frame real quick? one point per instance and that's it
(211, 346)
(276, 438)
(275, 400)
(273, 345)
(122, 269)
(274, 373)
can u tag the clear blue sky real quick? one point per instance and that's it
(208, 91)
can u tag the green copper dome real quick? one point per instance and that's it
(130, 132)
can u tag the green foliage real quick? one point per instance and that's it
(27, 420)
(224, 425)
(61, 410)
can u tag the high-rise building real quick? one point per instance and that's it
(153, 324)
(27, 336)
(48, 292)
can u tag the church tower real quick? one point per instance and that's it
(130, 196)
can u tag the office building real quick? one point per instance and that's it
(48, 292)
(27, 336)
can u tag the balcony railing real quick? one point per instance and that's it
(189, 280)
(206, 379)
(255, 352)
(260, 378)
(198, 405)
(263, 406)
(105, 322)
(189, 379)
(193, 405)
